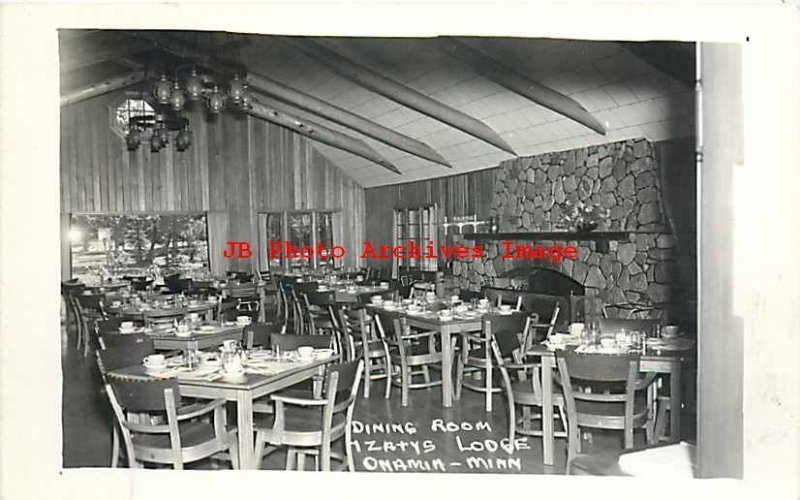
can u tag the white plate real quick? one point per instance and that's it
(207, 328)
(156, 369)
(185, 334)
(234, 377)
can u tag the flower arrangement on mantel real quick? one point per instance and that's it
(582, 218)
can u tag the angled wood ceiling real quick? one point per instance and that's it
(567, 92)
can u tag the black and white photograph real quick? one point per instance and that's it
(306, 253)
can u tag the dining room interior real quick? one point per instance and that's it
(209, 323)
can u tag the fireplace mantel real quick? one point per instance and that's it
(601, 237)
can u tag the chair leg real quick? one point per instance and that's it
(291, 458)
(325, 456)
(405, 382)
(348, 448)
(367, 373)
(661, 421)
(563, 417)
(114, 446)
(233, 450)
(259, 448)
(388, 367)
(460, 373)
(301, 460)
(488, 387)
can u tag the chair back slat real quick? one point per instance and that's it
(347, 378)
(110, 325)
(317, 298)
(290, 342)
(598, 367)
(136, 395)
(125, 350)
(258, 333)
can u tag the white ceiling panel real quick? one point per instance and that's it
(630, 96)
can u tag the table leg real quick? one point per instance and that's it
(676, 401)
(244, 411)
(447, 368)
(548, 454)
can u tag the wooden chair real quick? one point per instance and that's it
(476, 354)
(70, 290)
(365, 342)
(536, 327)
(90, 309)
(178, 285)
(319, 309)
(185, 437)
(603, 392)
(522, 380)
(258, 334)
(409, 351)
(309, 426)
(246, 296)
(121, 350)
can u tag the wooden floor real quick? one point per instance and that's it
(423, 437)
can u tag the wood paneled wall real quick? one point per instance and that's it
(456, 195)
(236, 167)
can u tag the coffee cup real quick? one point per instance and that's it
(384, 284)
(194, 316)
(126, 326)
(376, 299)
(505, 308)
(670, 331)
(607, 343)
(576, 329)
(228, 345)
(483, 303)
(116, 303)
(305, 351)
(243, 320)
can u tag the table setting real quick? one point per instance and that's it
(230, 363)
(430, 307)
(589, 340)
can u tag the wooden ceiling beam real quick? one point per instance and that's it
(186, 51)
(82, 58)
(399, 93)
(320, 134)
(507, 77)
(104, 87)
(345, 118)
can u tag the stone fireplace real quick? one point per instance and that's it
(532, 194)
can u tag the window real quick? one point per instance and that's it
(420, 226)
(129, 244)
(307, 228)
(129, 108)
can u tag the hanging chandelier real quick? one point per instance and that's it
(172, 97)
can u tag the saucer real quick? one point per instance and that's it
(155, 369)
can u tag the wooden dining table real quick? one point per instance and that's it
(664, 360)
(198, 339)
(253, 386)
(137, 312)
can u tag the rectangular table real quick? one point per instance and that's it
(667, 362)
(197, 340)
(243, 393)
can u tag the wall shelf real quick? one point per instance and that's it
(600, 237)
